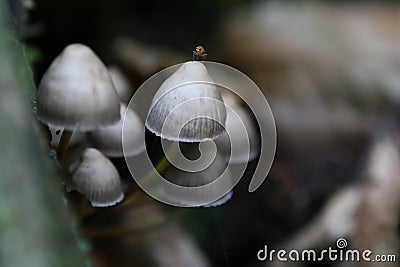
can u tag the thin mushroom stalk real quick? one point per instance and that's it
(64, 142)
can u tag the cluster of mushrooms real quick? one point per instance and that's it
(79, 98)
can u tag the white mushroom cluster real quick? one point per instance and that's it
(82, 102)
(188, 108)
(87, 105)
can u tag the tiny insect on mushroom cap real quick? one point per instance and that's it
(188, 106)
(109, 139)
(199, 53)
(94, 176)
(76, 92)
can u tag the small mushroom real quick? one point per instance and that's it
(198, 179)
(76, 93)
(94, 176)
(121, 84)
(233, 143)
(109, 139)
(188, 106)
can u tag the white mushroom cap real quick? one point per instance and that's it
(188, 106)
(109, 139)
(121, 84)
(76, 92)
(94, 176)
(230, 98)
(237, 117)
(233, 144)
(195, 179)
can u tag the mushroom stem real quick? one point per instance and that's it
(161, 167)
(63, 144)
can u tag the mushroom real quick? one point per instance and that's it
(121, 84)
(233, 143)
(94, 176)
(76, 92)
(213, 171)
(109, 139)
(188, 106)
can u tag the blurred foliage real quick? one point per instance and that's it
(35, 226)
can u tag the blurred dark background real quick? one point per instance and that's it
(179, 25)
